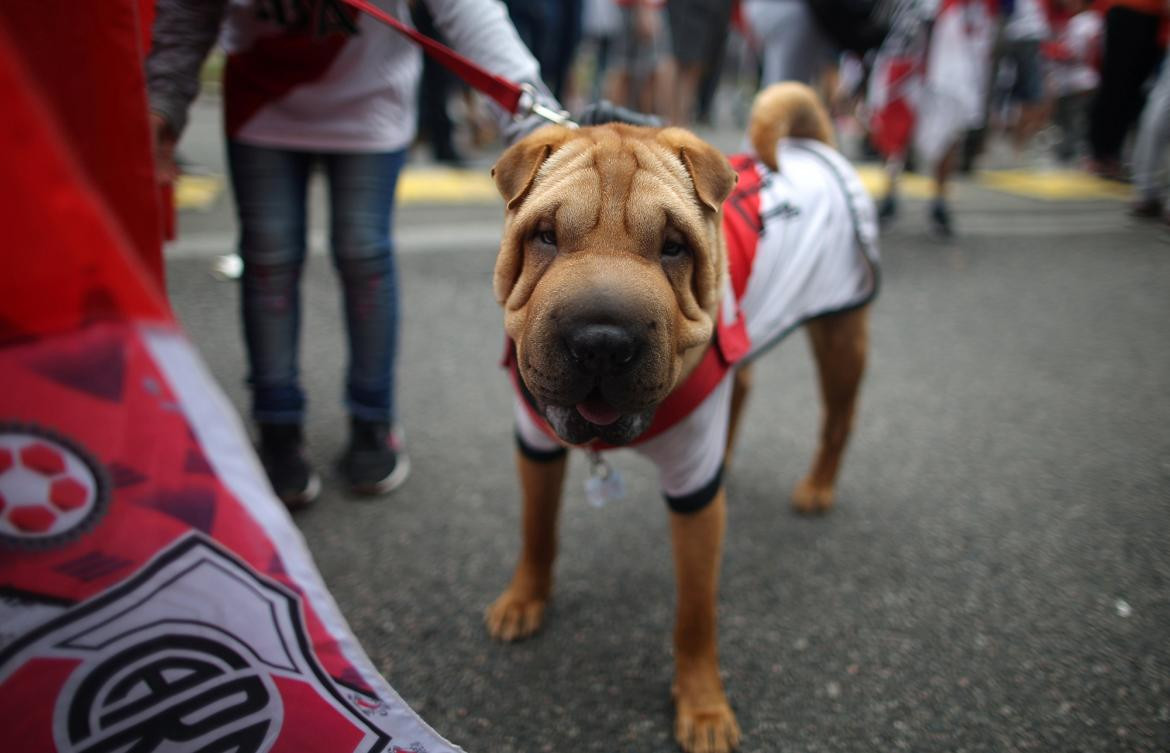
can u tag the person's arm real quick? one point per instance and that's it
(482, 31)
(183, 33)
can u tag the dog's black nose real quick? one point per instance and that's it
(603, 349)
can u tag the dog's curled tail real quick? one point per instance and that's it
(786, 110)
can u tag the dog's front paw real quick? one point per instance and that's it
(513, 616)
(707, 728)
(811, 499)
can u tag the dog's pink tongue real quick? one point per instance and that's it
(598, 412)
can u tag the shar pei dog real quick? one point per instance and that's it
(640, 272)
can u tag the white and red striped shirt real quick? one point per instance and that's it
(317, 74)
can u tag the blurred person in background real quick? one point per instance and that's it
(1025, 29)
(928, 88)
(1073, 57)
(642, 75)
(792, 44)
(698, 34)
(802, 40)
(551, 29)
(600, 22)
(1149, 150)
(1132, 49)
(434, 92)
(318, 84)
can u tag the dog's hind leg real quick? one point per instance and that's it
(519, 611)
(740, 387)
(839, 345)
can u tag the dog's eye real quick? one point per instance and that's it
(671, 249)
(547, 237)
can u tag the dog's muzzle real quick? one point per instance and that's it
(597, 375)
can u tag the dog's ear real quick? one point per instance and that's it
(514, 174)
(709, 169)
(518, 165)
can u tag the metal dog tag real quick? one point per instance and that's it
(605, 483)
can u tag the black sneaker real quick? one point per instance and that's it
(887, 209)
(282, 455)
(940, 220)
(1146, 209)
(375, 461)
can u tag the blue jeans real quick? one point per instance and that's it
(270, 187)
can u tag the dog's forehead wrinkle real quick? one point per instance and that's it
(533, 211)
(635, 183)
(666, 161)
(615, 168)
(568, 195)
(617, 191)
(576, 219)
(668, 172)
(679, 194)
(562, 166)
(663, 204)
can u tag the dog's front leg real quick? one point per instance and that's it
(519, 611)
(704, 722)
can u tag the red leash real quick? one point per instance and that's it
(508, 94)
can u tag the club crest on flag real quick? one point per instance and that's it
(141, 667)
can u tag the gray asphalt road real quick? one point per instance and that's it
(996, 576)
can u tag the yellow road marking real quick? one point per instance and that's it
(197, 192)
(446, 185)
(1056, 185)
(439, 185)
(910, 185)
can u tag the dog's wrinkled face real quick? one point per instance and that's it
(610, 270)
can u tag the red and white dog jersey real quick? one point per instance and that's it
(801, 243)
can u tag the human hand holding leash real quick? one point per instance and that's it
(604, 111)
(163, 140)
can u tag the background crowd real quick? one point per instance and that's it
(1059, 82)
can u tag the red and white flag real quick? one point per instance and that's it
(154, 594)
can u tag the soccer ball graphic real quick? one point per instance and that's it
(47, 488)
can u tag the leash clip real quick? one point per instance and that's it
(533, 106)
